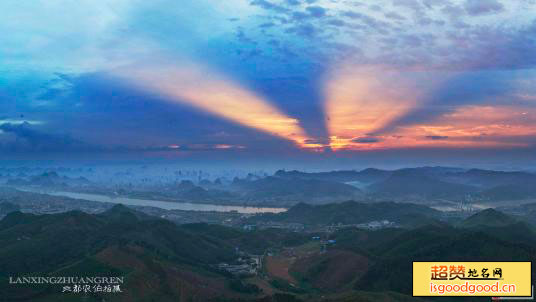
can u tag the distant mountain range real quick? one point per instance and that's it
(287, 188)
(49, 179)
(369, 175)
(409, 182)
(431, 183)
(282, 190)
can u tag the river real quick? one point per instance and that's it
(167, 205)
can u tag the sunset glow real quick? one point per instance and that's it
(327, 79)
(466, 127)
(209, 91)
(361, 100)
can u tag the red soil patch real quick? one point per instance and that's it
(334, 270)
(279, 267)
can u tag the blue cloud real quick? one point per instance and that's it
(269, 5)
(436, 137)
(482, 7)
(316, 11)
(366, 140)
(29, 140)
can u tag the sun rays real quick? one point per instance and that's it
(209, 91)
(359, 102)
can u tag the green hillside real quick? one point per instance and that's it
(352, 212)
(488, 218)
(151, 253)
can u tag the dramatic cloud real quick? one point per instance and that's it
(207, 90)
(26, 139)
(269, 5)
(481, 7)
(360, 101)
(475, 126)
(281, 76)
(316, 11)
(458, 89)
(436, 137)
(366, 140)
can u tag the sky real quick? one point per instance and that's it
(282, 81)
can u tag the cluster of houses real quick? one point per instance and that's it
(293, 226)
(372, 225)
(247, 265)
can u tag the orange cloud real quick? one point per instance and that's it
(202, 88)
(468, 126)
(360, 100)
(479, 126)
